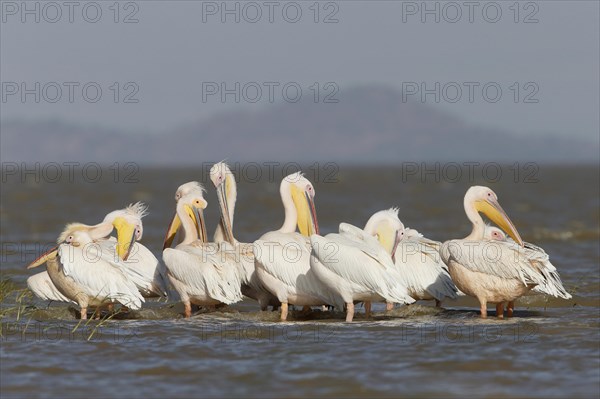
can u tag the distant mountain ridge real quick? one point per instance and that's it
(367, 125)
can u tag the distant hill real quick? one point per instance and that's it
(367, 125)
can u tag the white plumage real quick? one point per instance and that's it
(282, 257)
(425, 274)
(199, 271)
(356, 267)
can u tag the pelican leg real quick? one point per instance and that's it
(500, 310)
(284, 311)
(368, 309)
(188, 310)
(111, 307)
(510, 309)
(349, 311)
(389, 306)
(83, 314)
(483, 309)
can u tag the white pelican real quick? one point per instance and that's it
(534, 253)
(282, 257)
(141, 265)
(356, 266)
(198, 270)
(225, 184)
(425, 274)
(79, 271)
(495, 271)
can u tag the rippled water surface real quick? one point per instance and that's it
(550, 349)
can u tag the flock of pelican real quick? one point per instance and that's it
(293, 265)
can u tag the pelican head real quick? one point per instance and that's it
(187, 188)
(128, 223)
(484, 200)
(303, 196)
(190, 201)
(494, 233)
(387, 227)
(224, 182)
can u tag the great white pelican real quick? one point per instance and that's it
(282, 257)
(141, 265)
(84, 273)
(356, 265)
(241, 253)
(494, 271)
(198, 270)
(426, 276)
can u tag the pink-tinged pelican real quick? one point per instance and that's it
(356, 265)
(198, 270)
(282, 257)
(80, 272)
(426, 276)
(242, 254)
(140, 265)
(494, 271)
(535, 254)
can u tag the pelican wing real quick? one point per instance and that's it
(423, 271)
(203, 269)
(358, 263)
(353, 236)
(42, 286)
(503, 259)
(552, 284)
(98, 278)
(148, 274)
(284, 256)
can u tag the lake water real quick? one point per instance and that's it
(550, 349)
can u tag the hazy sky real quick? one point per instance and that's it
(175, 46)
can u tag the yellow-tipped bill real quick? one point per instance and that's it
(125, 237)
(492, 209)
(196, 213)
(306, 213)
(172, 231)
(44, 258)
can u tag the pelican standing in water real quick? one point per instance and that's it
(140, 265)
(242, 253)
(79, 271)
(282, 257)
(494, 271)
(426, 276)
(535, 254)
(198, 271)
(356, 266)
